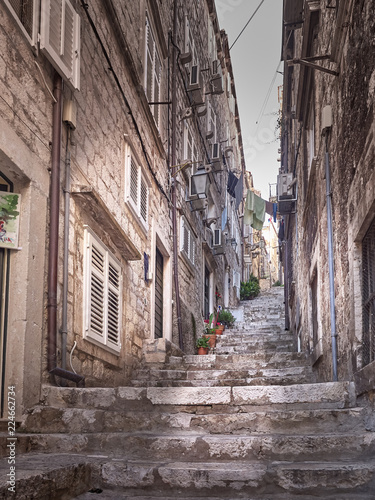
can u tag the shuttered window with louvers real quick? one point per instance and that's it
(138, 189)
(102, 294)
(187, 241)
(60, 38)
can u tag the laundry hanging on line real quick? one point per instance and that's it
(255, 211)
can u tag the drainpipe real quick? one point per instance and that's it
(173, 158)
(53, 251)
(331, 266)
(64, 322)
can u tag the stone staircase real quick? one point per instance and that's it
(248, 421)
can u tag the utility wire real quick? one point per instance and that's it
(260, 116)
(248, 22)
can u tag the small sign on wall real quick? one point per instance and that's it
(9, 219)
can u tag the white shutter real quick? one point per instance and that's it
(102, 296)
(113, 303)
(192, 249)
(133, 181)
(60, 38)
(97, 293)
(143, 209)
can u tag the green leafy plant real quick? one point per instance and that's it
(249, 289)
(202, 342)
(226, 318)
(277, 283)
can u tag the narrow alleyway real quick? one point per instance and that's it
(246, 422)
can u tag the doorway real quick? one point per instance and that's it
(5, 186)
(159, 280)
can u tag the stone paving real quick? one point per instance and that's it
(248, 421)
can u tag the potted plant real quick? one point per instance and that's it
(226, 318)
(202, 345)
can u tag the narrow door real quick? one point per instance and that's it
(206, 293)
(159, 295)
(5, 185)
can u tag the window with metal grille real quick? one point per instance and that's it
(187, 241)
(152, 71)
(23, 10)
(137, 192)
(368, 295)
(102, 294)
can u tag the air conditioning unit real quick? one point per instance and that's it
(216, 80)
(284, 189)
(202, 110)
(186, 57)
(198, 205)
(196, 86)
(209, 133)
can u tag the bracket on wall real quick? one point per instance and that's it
(307, 61)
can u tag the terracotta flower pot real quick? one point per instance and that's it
(220, 329)
(211, 340)
(202, 350)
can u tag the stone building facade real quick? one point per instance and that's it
(328, 152)
(109, 215)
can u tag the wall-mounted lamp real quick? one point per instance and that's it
(199, 184)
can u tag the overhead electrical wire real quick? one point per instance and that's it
(248, 22)
(268, 95)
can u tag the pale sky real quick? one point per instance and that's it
(255, 58)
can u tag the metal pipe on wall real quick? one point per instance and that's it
(54, 224)
(64, 321)
(173, 187)
(53, 251)
(331, 266)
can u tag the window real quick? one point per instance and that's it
(187, 241)
(368, 296)
(102, 294)
(311, 138)
(211, 123)
(190, 148)
(152, 72)
(26, 14)
(189, 43)
(137, 186)
(60, 38)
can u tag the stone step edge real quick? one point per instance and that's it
(104, 470)
(341, 394)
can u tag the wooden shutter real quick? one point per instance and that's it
(102, 294)
(133, 180)
(60, 38)
(143, 209)
(97, 293)
(113, 302)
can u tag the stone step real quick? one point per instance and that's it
(254, 360)
(59, 477)
(302, 396)
(273, 376)
(240, 480)
(187, 446)
(227, 420)
(116, 494)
